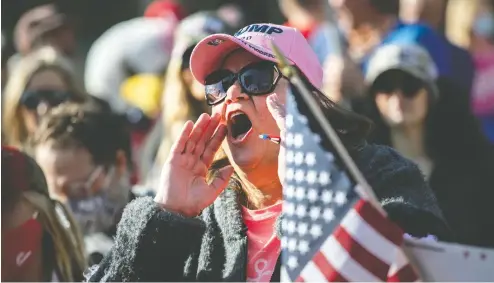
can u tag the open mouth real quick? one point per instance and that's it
(240, 126)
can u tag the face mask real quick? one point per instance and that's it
(98, 212)
(484, 25)
(19, 246)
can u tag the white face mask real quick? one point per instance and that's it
(98, 212)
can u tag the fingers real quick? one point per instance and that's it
(179, 145)
(276, 107)
(213, 145)
(221, 180)
(197, 132)
(207, 134)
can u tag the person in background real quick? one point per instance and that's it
(125, 67)
(367, 24)
(310, 17)
(430, 12)
(40, 240)
(85, 155)
(165, 9)
(41, 81)
(217, 218)
(43, 25)
(183, 97)
(423, 118)
(470, 24)
(232, 14)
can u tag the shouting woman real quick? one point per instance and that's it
(215, 213)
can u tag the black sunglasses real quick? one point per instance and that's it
(32, 98)
(398, 80)
(258, 78)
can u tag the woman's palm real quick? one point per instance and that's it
(184, 186)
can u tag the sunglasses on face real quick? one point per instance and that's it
(255, 79)
(31, 99)
(398, 81)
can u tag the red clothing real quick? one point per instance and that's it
(306, 32)
(262, 243)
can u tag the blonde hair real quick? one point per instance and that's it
(460, 15)
(14, 129)
(178, 106)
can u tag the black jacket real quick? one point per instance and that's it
(153, 244)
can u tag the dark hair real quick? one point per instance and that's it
(450, 128)
(101, 133)
(388, 7)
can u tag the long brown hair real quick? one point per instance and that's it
(14, 129)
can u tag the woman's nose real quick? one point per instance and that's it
(235, 93)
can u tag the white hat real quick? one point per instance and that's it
(410, 58)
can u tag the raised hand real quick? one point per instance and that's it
(276, 106)
(184, 188)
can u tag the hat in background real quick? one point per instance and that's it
(35, 23)
(164, 8)
(256, 39)
(410, 58)
(196, 27)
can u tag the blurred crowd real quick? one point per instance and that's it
(78, 144)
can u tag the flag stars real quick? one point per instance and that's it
(290, 173)
(324, 178)
(289, 208)
(303, 119)
(298, 140)
(289, 139)
(312, 193)
(316, 231)
(302, 229)
(328, 215)
(292, 244)
(301, 211)
(314, 213)
(327, 197)
(340, 198)
(299, 176)
(292, 262)
(291, 227)
(298, 158)
(288, 121)
(311, 177)
(317, 138)
(303, 247)
(289, 191)
(300, 193)
(310, 159)
(289, 157)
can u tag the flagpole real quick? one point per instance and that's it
(290, 72)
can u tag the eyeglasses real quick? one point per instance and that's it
(32, 98)
(258, 78)
(398, 80)
(86, 188)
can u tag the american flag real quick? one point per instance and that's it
(330, 232)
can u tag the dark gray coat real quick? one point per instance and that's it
(153, 244)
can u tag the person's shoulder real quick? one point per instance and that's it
(402, 190)
(381, 163)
